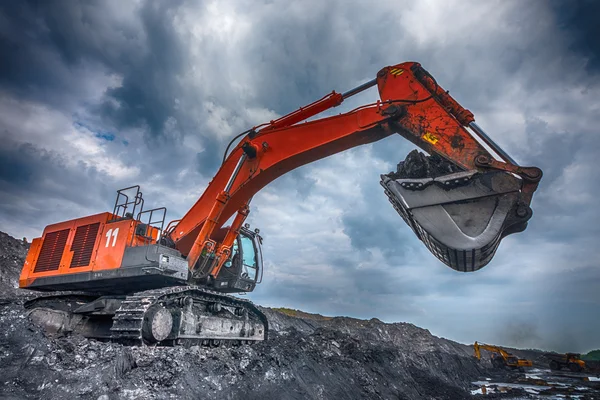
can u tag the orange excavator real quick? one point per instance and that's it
(501, 358)
(133, 279)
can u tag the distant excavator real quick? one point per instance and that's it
(501, 358)
(142, 282)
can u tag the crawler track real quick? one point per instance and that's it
(184, 315)
(199, 317)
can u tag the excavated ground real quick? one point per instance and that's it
(306, 357)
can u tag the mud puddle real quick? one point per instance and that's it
(540, 384)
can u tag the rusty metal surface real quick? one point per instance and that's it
(461, 217)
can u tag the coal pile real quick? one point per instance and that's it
(306, 357)
(12, 256)
(417, 165)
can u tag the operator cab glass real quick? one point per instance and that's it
(242, 270)
(249, 265)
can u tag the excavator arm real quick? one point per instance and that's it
(492, 349)
(507, 359)
(411, 104)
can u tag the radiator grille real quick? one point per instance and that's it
(83, 244)
(52, 251)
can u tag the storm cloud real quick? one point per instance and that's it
(99, 95)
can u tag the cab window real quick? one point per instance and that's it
(249, 257)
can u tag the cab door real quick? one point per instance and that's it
(241, 271)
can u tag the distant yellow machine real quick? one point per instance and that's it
(500, 357)
(572, 361)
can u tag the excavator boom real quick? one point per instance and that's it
(460, 217)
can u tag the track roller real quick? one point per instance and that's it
(158, 323)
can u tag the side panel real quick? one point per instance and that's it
(88, 254)
(30, 261)
(115, 237)
(67, 247)
(112, 240)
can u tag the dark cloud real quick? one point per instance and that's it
(149, 88)
(28, 198)
(14, 165)
(579, 20)
(521, 333)
(375, 231)
(62, 38)
(50, 50)
(23, 166)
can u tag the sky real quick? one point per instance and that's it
(100, 95)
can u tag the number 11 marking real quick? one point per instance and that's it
(114, 235)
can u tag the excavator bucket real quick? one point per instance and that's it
(460, 216)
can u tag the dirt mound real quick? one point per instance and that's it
(339, 360)
(12, 256)
(306, 356)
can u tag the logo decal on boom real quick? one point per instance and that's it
(396, 71)
(430, 137)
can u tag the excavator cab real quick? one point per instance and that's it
(243, 270)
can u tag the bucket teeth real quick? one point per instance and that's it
(461, 217)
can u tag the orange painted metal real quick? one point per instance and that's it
(25, 279)
(412, 104)
(113, 239)
(107, 252)
(225, 247)
(203, 242)
(333, 99)
(430, 124)
(27, 273)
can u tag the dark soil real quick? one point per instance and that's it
(306, 357)
(339, 358)
(417, 165)
(12, 256)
